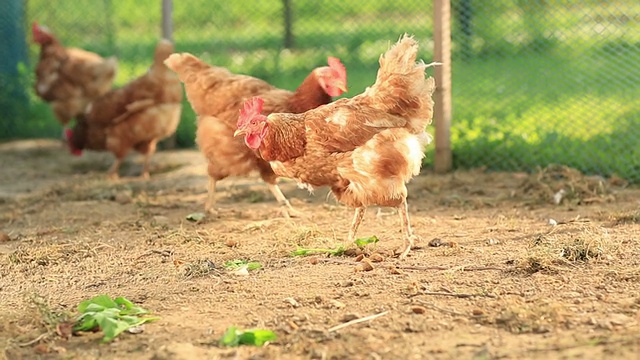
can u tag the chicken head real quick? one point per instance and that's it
(41, 34)
(333, 78)
(251, 123)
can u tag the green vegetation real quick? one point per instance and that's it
(534, 82)
(111, 316)
(235, 337)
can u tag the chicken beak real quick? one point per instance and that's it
(239, 132)
(342, 86)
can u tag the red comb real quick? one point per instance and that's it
(337, 65)
(39, 33)
(67, 135)
(35, 28)
(251, 108)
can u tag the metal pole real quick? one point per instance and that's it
(167, 33)
(442, 109)
(167, 21)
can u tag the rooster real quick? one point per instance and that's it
(136, 116)
(216, 96)
(365, 148)
(69, 78)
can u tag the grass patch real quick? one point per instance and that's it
(533, 84)
(560, 248)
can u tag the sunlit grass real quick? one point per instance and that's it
(540, 87)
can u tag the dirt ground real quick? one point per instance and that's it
(514, 276)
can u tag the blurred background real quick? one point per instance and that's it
(535, 82)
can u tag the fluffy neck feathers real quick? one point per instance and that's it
(284, 138)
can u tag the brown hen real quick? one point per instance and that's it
(69, 78)
(135, 116)
(365, 148)
(216, 96)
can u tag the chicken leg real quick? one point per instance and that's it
(211, 197)
(410, 238)
(113, 170)
(287, 210)
(355, 224)
(151, 149)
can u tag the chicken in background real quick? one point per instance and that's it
(217, 95)
(136, 116)
(365, 148)
(69, 78)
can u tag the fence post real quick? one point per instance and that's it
(13, 52)
(167, 33)
(442, 108)
(288, 24)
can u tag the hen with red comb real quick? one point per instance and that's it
(365, 148)
(216, 95)
(69, 78)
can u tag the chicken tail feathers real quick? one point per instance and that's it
(163, 50)
(185, 65)
(402, 79)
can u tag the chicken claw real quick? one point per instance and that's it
(289, 211)
(286, 209)
(409, 243)
(410, 237)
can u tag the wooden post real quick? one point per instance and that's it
(288, 24)
(167, 19)
(442, 109)
(167, 33)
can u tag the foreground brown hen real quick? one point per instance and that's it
(135, 116)
(365, 148)
(69, 78)
(216, 96)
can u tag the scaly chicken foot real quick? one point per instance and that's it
(358, 216)
(211, 197)
(113, 170)
(147, 160)
(410, 237)
(287, 210)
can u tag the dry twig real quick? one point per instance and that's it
(444, 268)
(34, 341)
(458, 295)
(357, 321)
(437, 308)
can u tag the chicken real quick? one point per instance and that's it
(216, 96)
(136, 116)
(69, 78)
(365, 148)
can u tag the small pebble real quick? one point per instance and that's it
(395, 271)
(231, 243)
(291, 301)
(418, 309)
(436, 242)
(337, 304)
(367, 265)
(359, 258)
(375, 257)
(477, 312)
(313, 260)
(123, 197)
(349, 317)
(4, 237)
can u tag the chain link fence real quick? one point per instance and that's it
(541, 81)
(534, 81)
